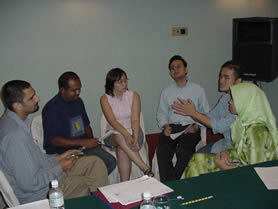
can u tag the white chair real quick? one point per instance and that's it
(114, 177)
(203, 140)
(7, 191)
(37, 131)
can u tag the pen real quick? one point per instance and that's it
(177, 198)
(197, 200)
(73, 155)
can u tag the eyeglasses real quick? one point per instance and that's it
(120, 82)
(176, 67)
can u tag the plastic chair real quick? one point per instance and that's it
(37, 131)
(7, 191)
(114, 177)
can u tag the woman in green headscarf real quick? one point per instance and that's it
(254, 134)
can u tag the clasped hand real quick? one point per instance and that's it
(132, 143)
(167, 130)
(223, 160)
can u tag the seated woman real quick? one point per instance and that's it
(121, 109)
(254, 134)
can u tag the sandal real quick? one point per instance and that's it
(149, 172)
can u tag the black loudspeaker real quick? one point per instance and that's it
(255, 47)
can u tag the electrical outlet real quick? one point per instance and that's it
(179, 31)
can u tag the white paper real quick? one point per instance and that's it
(42, 204)
(269, 176)
(176, 135)
(131, 191)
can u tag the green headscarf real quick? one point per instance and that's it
(252, 106)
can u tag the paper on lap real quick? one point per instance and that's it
(176, 135)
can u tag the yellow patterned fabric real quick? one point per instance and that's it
(254, 132)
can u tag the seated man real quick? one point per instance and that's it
(28, 170)
(66, 124)
(219, 119)
(170, 122)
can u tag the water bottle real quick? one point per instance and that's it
(56, 196)
(147, 201)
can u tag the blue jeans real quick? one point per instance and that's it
(107, 158)
(206, 149)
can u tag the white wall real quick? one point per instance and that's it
(40, 39)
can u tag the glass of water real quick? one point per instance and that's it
(162, 202)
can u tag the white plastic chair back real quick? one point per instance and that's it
(203, 140)
(37, 131)
(7, 191)
(114, 177)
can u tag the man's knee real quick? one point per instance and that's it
(185, 149)
(184, 153)
(93, 162)
(98, 163)
(190, 140)
(97, 169)
(165, 143)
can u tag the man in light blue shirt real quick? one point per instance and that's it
(170, 122)
(219, 119)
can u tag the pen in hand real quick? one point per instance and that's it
(77, 154)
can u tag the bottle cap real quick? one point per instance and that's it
(54, 183)
(147, 195)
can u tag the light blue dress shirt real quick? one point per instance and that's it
(221, 120)
(190, 90)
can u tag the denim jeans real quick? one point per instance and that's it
(107, 158)
(206, 149)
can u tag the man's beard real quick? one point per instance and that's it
(36, 108)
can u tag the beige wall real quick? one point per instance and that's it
(40, 39)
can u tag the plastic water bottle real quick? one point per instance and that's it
(147, 201)
(56, 196)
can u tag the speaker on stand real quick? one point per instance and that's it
(255, 47)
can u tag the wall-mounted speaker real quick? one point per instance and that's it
(255, 47)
